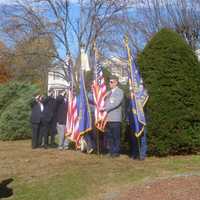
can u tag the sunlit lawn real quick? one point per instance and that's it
(61, 175)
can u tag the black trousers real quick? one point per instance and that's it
(52, 131)
(35, 134)
(113, 137)
(43, 134)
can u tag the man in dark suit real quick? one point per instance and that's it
(62, 105)
(49, 116)
(43, 126)
(36, 121)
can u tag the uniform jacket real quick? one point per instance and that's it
(36, 113)
(61, 109)
(49, 109)
(113, 105)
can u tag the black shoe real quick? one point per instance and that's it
(115, 155)
(134, 157)
(108, 155)
(54, 145)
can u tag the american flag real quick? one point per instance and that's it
(99, 94)
(72, 123)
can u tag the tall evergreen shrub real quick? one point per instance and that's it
(15, 110)
(171, 73)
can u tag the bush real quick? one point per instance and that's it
(15, 110)
(7, 91)
(172, 75)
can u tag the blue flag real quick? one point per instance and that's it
(139, 97)
(85, 120)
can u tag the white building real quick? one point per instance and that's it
(56, 79)
(118, 67)
(56, 76)
(198, 54)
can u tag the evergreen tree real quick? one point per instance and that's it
(172, 75)
(15, 110)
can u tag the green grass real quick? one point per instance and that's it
(80, 182)
(50, 175)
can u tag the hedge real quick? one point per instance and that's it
(15, 110)
(171, 73)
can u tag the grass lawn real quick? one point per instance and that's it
(69, 175)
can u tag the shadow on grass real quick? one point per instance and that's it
(5, 191)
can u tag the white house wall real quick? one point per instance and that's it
(56, 82)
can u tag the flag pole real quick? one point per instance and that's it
(98, 145)
(96, 129)
(130, 65)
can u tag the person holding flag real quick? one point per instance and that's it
(113, 106)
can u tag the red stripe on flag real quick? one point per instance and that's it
(72, 125)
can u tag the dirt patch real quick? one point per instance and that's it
(17, 159)
(177, 188)
(170, 178)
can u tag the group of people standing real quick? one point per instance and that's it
(49, 115)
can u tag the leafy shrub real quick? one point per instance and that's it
(15, 110)
(172, 75)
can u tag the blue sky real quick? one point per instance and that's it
(12, 1)
(74, 13)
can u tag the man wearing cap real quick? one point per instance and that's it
(61, 108)
(113, 106)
